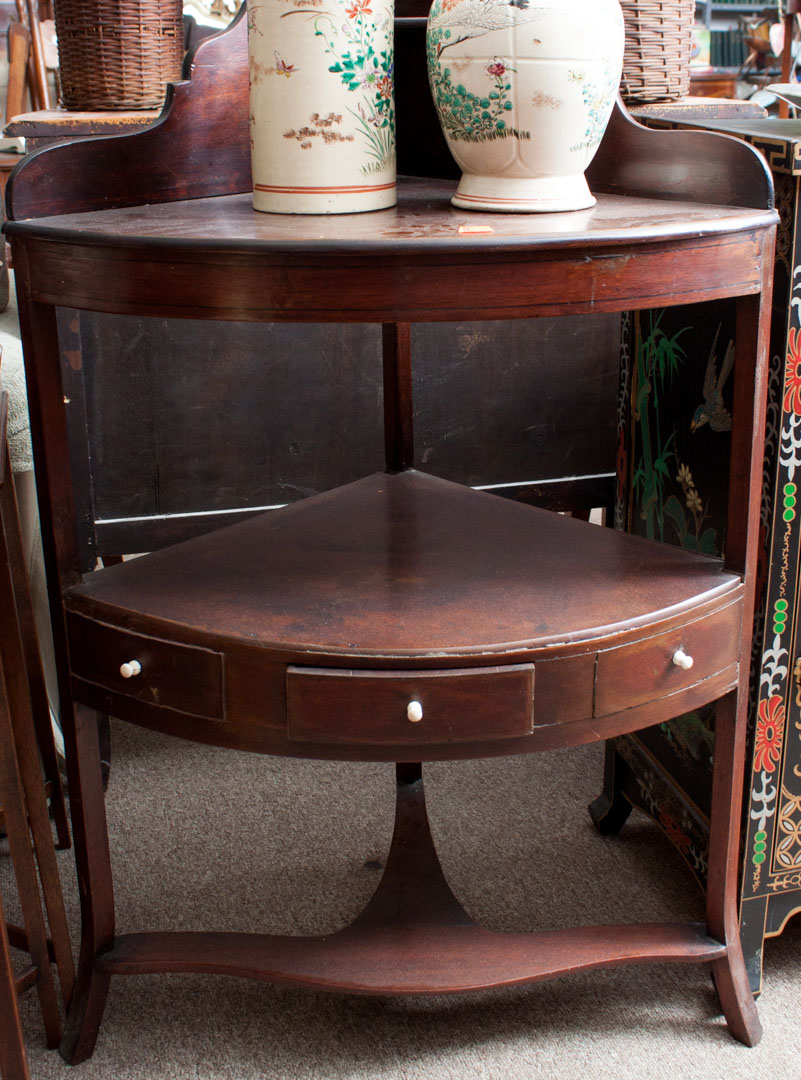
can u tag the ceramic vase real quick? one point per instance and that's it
(322, 105)
(524, 90)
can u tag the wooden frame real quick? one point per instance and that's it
(680, 217)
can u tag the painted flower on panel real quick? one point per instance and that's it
(792, 379)
(674, 831)
(694, 502)
(769, 734)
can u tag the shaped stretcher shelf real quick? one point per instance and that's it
(414, 937)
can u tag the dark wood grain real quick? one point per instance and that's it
(437, 961)
(633, 674)
(424, 223)
(638, 160)
(93, 860)
(290, 272)
(731, 978)
(173, 676)
(250, 728)
(406, 567)
(457, 705)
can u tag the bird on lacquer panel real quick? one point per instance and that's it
(713, 411)
(471, 18)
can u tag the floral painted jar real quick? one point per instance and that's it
(322, 105)
(524, 90)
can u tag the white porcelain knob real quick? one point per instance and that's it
(129, 669)
(682, 660)
(414, 712)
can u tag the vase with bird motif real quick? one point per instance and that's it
(322, 105)
(524, 90)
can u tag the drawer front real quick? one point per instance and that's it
(645, 670)
(383, 707)
(173, 676)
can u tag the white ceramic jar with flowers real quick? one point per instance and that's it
(322, 105)
(524, 90)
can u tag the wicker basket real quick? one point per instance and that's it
(118, 54)
(656, 62)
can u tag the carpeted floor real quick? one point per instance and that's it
(206, 839)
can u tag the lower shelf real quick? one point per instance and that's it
(409, 961)
(414, 937)
(320, 629)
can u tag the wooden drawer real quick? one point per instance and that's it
(644, 671)
(173, 676)
(458, 705)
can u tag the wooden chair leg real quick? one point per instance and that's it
(13, 1061)
(21, 736)
(40, 831)
(731, 977)
(22, 789)
(18, 48)
(19, 842)
(40, 705)
(90, 840)
(41, 89)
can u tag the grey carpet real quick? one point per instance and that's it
(208, 839)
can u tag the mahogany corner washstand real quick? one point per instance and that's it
(401, 617)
